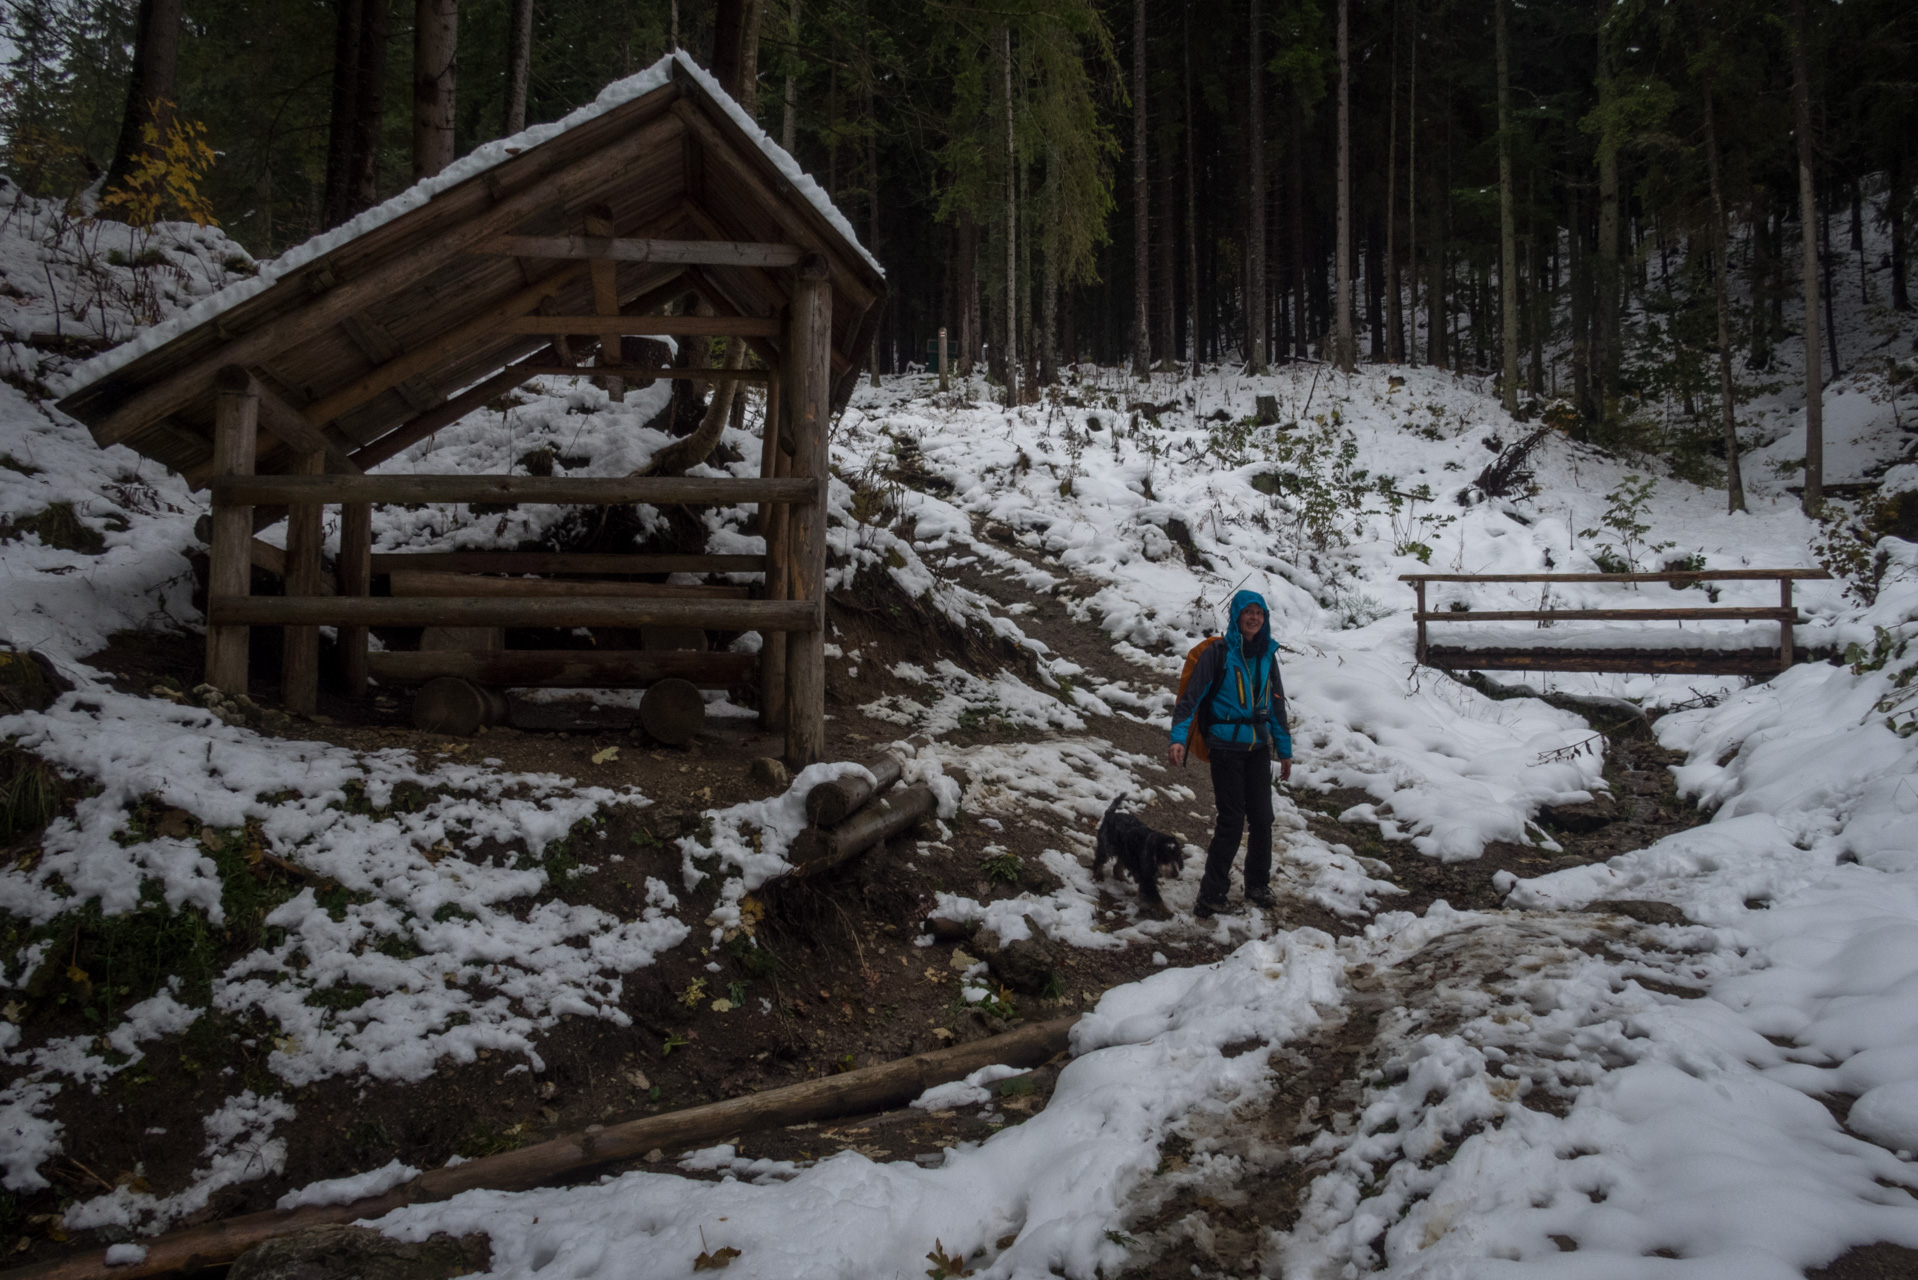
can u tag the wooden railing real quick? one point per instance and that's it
(1560, 659)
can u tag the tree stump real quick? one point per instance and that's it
(459, 707)
(672, 711)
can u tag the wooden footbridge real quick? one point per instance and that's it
(281, 401)
(1747, 661)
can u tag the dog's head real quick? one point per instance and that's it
(1166, 851)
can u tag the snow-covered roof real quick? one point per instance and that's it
(97, 389)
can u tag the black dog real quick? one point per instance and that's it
(1140, 852)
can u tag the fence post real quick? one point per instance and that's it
(1787, 647)
(945, 383)
(1418, 586)
(809, 353)
(773, 520)
(236, 418)
(356, 575)
(300, 646)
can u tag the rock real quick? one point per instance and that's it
(769, 772)
(1641, 910)
(175, 824)
(1027, 965)
(1591, 815)
(360, 1253)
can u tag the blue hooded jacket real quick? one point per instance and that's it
(1249, 704)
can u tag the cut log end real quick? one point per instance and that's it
(672, 711)
(458, 707)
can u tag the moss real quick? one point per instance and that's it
(57, 525)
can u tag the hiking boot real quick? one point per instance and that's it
(1205, 910)
(1260, 898)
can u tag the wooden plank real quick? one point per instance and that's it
(566, 668)
(1727, 614)
(356, 576)
(302, 435)
(589, 611)
(582, 490)
(1700, 575)
(552, 562)
(236, 412)
(1725, 662)
(636, 373)
(642, 326)
(705, 253)
(300, 646)
(380, 279)
(410, 582)
(808, 383)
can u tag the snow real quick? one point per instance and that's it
(359, 1186)
(476, 162)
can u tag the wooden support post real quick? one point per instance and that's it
(1419, 588)
(236, 417)
(809, 383)
(356, 576)
(1787, 646)
(773, 461)
(300, 646)
(599, 222)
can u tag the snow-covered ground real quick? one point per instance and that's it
(1554, 1092)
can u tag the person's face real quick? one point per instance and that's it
(1250, 620)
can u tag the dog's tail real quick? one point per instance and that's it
(1116, 802)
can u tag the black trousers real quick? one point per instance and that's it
(1242, 792)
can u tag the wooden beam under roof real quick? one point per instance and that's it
(700, 253)
(642, 326)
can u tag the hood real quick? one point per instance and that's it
(1241, 601)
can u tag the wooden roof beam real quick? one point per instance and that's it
(358, 292)
(699, 253)
(642, 326)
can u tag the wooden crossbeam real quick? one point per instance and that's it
(1677, 575)
(467, 611)
(635, 373)
(563, 562)
(1605, 615)
(415, 582)
(583, 490)
(1703, 662)
(702, 253)
(644, 326)
(565, 668)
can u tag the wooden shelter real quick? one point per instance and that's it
(517, 263)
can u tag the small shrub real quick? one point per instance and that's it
(1003, 868)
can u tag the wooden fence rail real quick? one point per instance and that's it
(237, 490)
(1699, 662)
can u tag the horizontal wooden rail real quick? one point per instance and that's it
(692, 253)
(636, 373)
(562, 562)
(1674, 575)
(644, 326)
(584, 490)
(467, 611)
(1688, 662)
(1605, 615)
(423, 583)
(565, 668)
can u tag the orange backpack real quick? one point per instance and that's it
(1195, 737)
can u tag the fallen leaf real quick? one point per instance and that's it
(717, 1260)
(722, 1005)
(609, 753)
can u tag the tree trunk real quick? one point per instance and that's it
(1412, 197)
(1011, 353)
(435, 78)
(872, 166)
(1824, 256)
(1191, 203)
(968, 273)
(1394, 313)
(1895, 222)
(790, 123)
(1814, 496)
(1734, 481)
(1141, 206)
(1346, 352)
(369, 117)
(1166, 317)
(1049, 293)
(736, 50)
(1604, 373)
(519, 59)
(1255, 340)
(342, 131)
(156, 52)
(1507, 222)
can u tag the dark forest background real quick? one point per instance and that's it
(1553, 192)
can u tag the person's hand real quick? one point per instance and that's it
(1285, 769)
(1177, 753)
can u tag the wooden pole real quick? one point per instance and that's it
(1787, 649)
(859, 1092)
(810, 352)
(1419, 587)
(236, 416)
(605, 274)
(484, 611)
(356, 575)
(300, 646)
(773, 461)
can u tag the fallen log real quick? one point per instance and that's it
(820, 848)
(830, 803)
(448, 704)
(868, 1089)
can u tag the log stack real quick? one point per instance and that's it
(850, 815)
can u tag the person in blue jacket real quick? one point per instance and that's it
(1236, 701)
